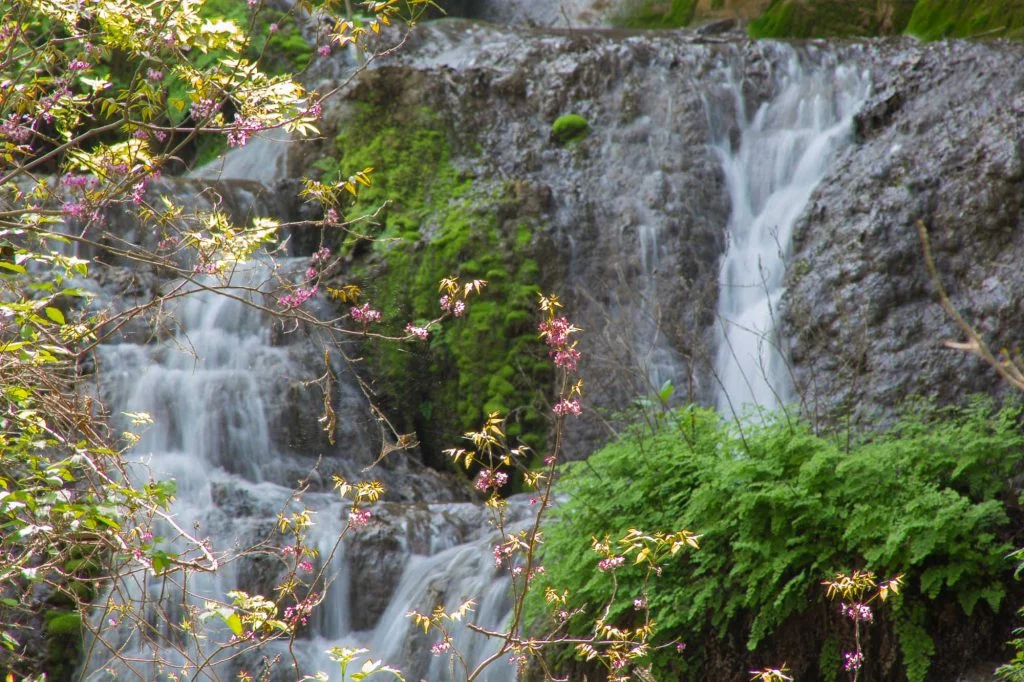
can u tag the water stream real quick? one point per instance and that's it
(784, 150)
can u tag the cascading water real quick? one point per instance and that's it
(218, 390)
(783, 152)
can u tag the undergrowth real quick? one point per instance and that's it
(780, 508)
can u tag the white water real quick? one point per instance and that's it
(785, 149)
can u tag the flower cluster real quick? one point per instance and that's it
(299, 614)
(365, 314)
(564, 407)
(456, 307)
(857, 612)
(853, 660)
(242, 129)
(297, 297)
(503, 551)
(488, 480)
(420, 333)
(440, 648)
(610, 563)
(204, 109)
(359, 518)
(306, 566)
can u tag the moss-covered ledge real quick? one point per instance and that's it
(433, 220)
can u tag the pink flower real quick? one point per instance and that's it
(288, 551)
(365, 314)
(420, 333)
(305, 566)
(273, 28)
(611, 563)
(323, 50)
(154, 75)
(853, 660)
(298, 297)
(565, 407)
(639, 603)
(459, 308)
(486, 480)
(555, 332)
(359, 518)
(566, 358)
(440, 648)
(858, 612)
(78, 65)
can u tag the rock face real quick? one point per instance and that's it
(634, 214)
(939, 142)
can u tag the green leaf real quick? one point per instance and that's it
(55, 315)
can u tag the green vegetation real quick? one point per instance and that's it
(831, 18)
(936, 19)
(926, 19)
(656, 14)
(781, 508)
(569, 128)
(434, 223)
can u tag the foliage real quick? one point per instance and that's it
(937, 19)
(829, 18)
(99, 99)
(569, 128)
(428, 221)
(779, 506)
(655, 14)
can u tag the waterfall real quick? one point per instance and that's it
(784, 150)
(221, 386)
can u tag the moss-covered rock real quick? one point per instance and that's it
(655, 13)
(437, 223)
(831, 18)
(935, 19)
(569, 128)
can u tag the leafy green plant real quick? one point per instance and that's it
(779, 506)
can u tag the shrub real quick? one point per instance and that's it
(780, 508)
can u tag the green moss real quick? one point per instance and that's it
(569, 128)
(831, 18)
(435, 223)
(936, 19)
(656, 14)
(63, 623)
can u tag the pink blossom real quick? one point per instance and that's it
(610, 563)
(446, 303)
(206, 269)
(681, 647)
(555, 332)
(78, 65)
(154, 75)
(440, 648)
(310, 273)
(359, 518)
(365, 314)
(459, 309)
(565, 407)
(289, 550)
(486, 480)
(639, 603)
(321, 255)
(420, 333)
(332, 216)
(566, 358)
(73, 209)
(243, 129)
(273, 28)
(858, 612)
(305, 566)
(297, 297)
(853, 660)
(323, 50)
(314, 111)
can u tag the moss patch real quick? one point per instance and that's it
(655, 14)
(569, 128)
(831, 18)
(936, 19)
(437, 223)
